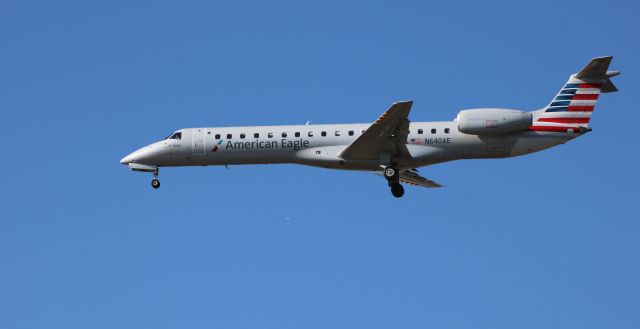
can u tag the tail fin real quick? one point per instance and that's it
(572, 107)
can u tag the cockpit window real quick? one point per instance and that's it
(177, 136)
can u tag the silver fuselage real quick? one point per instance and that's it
(427, 142)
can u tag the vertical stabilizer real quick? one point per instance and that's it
(572, 107)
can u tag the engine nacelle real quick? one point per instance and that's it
(492, 121)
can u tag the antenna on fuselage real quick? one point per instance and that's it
(308, 122)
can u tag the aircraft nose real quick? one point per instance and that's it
(126, 160)
(134, 156)
(142, 156)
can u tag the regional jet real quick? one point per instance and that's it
(391, 146)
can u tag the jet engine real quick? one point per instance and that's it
(491, 121)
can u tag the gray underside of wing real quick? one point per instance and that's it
(411, 177)
(388, 134)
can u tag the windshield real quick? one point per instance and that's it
(177, 135)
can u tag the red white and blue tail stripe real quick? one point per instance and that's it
(571, 109)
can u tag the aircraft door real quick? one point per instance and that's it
(198, 141)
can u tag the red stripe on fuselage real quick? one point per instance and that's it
(565, 120)
(553, 129)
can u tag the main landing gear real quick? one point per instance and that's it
(397, 190)
(393, 178)
(155, 182)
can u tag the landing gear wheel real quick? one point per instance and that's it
(389, 172)
(397, 190)
(155, 183)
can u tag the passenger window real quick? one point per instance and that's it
(433, 131)
(350, 132)
(323, 134)
(311, 134)
(217, 136)
(362, 131)
(337, 132)
(284, 134)
(420, 131)
(297, 134)
(446, 130)
(229, 136)
(256, 135)
(270, 135)
(242, 135)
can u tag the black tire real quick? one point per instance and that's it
(389, 172)
(397, 190)
(155, 183)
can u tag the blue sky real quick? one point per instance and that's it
(549, 240)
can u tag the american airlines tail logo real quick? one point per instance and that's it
(216, 147)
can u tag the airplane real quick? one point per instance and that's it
(391, 146)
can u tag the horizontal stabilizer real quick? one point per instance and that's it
(608, 87)
(596, 69)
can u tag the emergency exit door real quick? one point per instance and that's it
(198, 141)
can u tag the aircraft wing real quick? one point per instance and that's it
(411, 177)
(387, 134)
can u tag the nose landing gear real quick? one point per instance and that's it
(155, 182)
(393, 178)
